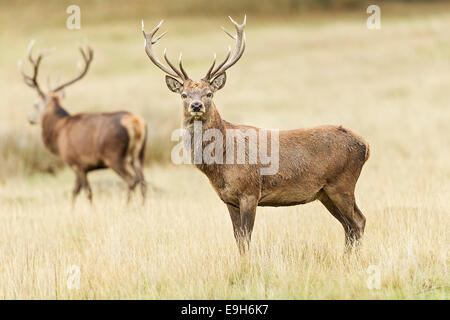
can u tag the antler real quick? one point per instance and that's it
(32, 80)
(237, 53)
(87, 54)
(149, 41)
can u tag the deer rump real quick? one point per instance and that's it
(96, 141)
(311, 159)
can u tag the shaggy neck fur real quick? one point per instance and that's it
(51, 121)
(211, 120)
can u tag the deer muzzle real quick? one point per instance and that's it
(196, 108)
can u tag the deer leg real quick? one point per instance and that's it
(88, 191)
(326, 201)
(76, 190)
(122, 171)
(360, 218)
(346, 224)
(137, 167)
(140, 163)
(243, 219)
(353, 220)
(81, 182)
(235, 216)
(87, 188)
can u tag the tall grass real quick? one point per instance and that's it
(390, 86)
(180, 244)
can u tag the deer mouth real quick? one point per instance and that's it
(196, 115)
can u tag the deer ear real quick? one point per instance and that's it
(218, 82)
(174, 85)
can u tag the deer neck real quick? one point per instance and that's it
(212, 121)
(51, 123)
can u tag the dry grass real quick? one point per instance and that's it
(391, 86)
(180, 245)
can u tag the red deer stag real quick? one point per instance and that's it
(85, 141)
(321, 163)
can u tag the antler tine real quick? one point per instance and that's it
(159, 37)
(27, 79)
(178, 72)
(88, 55)
(228, 33)
(180, 63)
(87, 52)
(237, 24)
(30, 51)
(31, 81)
(155, 29)
(152, 33)
(83, 54)
(239, 55)
(238, 50)
(41, 53)
(208, 74)
(222, 63)
(149, 41)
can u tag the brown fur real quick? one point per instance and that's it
(135, 124)
(136, 129)
(321, 163)
(89, 142)
(200, 85)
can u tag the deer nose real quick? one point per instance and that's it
(196, 106)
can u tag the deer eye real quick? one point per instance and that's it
(209, 94)
(184, 95)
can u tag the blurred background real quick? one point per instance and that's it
(307, 63)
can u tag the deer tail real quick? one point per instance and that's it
(137, 133)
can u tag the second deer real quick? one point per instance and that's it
(85, 141)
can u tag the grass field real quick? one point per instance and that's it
(389, 85)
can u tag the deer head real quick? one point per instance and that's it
(46, 98)
(197, 95)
